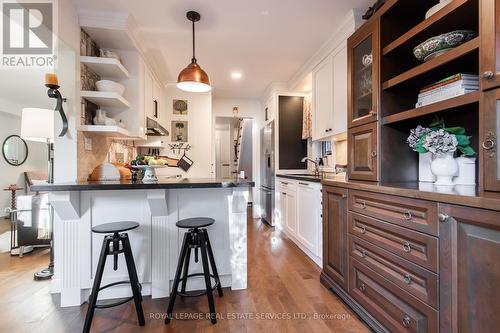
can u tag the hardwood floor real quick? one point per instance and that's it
(284, 295)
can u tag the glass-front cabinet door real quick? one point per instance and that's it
(490, 140)
(363, 75)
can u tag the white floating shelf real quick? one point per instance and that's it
(105, 67)
(110, 131)
(105, 99)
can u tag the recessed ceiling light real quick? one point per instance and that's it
(236, 75)
(264, 12)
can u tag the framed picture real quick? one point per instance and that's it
(179, 131)
(180, 106)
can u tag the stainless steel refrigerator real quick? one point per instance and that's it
(267, 173)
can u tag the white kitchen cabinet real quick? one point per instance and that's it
(339, 123)
(148, 93)
(309, 216)
(329, 95)
(299, 211)
(322, 99)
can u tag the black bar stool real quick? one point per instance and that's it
(113, 245)
(196, 238)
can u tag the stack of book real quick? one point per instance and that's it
(455, 85)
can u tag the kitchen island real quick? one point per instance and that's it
(156, 243)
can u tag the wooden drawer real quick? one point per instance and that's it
(415, 214)
(419, 248)
(394, 308)
(414, 279)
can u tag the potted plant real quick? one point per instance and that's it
(442, 142)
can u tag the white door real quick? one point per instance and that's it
(223, 153)
(307, 216)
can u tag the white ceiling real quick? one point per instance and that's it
(266, 40)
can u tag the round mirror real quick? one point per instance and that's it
(15, 150)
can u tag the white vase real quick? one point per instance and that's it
(466, 171)
(100, 117)
(433, 10)
(424, 168)
(444, 167)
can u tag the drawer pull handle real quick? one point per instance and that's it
(362, 287)
(407, 278)
(406, 321)
(363, 229)
(363, 205)
(407, 247)
(408, 216)
(443, 218)
(364, 254)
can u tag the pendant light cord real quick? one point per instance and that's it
(193, 60)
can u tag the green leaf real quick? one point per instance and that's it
(467, 151)
(455, 130)
(419, 147)
(463, 140)
(437, 122)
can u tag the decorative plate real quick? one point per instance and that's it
(438, 45)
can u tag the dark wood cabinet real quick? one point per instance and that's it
(362, 62)
(335, 234)
(490, 140)
(490, 44)
(469, 269)
(362, 152)
(395, 309)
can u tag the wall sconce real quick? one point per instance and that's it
(53, 92)
(235, 111)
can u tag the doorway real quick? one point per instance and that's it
(234, 147)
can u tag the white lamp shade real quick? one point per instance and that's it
(37, 124)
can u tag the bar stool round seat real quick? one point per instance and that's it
(113, 227)
(195, 222)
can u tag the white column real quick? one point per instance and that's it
(160, 256)
(238, 237)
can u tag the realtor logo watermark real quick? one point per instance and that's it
(28, 33)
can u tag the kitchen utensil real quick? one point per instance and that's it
(110, 86)
(185, 163)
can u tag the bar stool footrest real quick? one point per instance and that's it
(198, 293)
(120, 302)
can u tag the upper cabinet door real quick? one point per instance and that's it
(363, 63)
(490, 140)
(148, 93)
(322, 99)
(490, 44)
(339, 122)
(362, 152)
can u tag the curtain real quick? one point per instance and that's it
(307, 118)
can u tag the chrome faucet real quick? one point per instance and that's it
(316, 165)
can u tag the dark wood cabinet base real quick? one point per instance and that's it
(344, 296)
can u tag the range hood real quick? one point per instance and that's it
(155, 129)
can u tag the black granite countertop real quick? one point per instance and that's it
(162, 183)
(309, 177)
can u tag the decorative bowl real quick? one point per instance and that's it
(438, 45)
(110, 86)
(149, 172)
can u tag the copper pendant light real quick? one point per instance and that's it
(193, 78)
